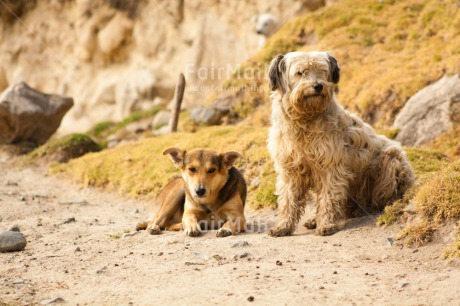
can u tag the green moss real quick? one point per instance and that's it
(426, 161)
(264, 195)
(391, 213)
(66, 148)
(101, 129)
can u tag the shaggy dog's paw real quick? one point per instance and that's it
(224, 232)
(154, 230)
(310, 224)
(279, 231)
(193, 231)
(327, 230)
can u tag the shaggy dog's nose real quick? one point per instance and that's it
(318, 88)
(259, 32)
(200, 192)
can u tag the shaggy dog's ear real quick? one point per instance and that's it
(177, 156)
(334, 69)
(275, 73)
(229, 158)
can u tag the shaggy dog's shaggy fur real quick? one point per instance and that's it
(321, 150)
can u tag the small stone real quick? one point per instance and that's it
(240, 243)
(50, 301)
(335, 272)
(22, 199)
(76, 202)
(279, 263)
(402, 284)
(78, 249)
(70, 220)
(389, 241)
(241, 255)
(12, 241)
(135, 211)
(14, 228)
(18, 281)
(160, 254)
(129, 234)
(255, 182)
(321, 287)
(251, 299)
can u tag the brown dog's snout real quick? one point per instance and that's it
(200, 191)
(318, 87)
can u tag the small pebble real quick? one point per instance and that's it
(12, 241)
(50, 301)
(78, 249)
(251, 299)
(14, 228)
(240, 243)
(160, 254)
(279, 263)
(321, 287)
(70, 220)
(18, 281)
(241, 255)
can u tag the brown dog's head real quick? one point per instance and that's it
(305, 81)
(204, 171)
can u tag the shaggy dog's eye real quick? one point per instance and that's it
(212, 170)
(193, 170)
(299, 73)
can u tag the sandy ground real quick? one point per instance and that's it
(88, 262)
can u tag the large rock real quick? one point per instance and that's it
(11, 241)
(430, 112)
(27, 115)
(211, 115)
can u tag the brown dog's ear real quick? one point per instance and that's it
(229, 158)
(177, 156)
(334, 69)
(275, 73)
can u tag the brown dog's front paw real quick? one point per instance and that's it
(154, 230)
(224, 232)
(310, 224)
(279, 231)
(193, 231)
(327, 230)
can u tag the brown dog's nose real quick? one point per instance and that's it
(200, 192)
(318, 87)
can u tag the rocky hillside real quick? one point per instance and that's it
(115, 57)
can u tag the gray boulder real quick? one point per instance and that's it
(430, 112)
(27, 115)
(209, 115)
(11, 241)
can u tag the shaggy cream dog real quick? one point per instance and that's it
(321, 150)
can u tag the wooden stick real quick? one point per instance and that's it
(178, 96)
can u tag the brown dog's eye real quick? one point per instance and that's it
(193, 170)
(299, 73)
(212, 170)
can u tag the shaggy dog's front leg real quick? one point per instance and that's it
(331, 202)
(293, 196)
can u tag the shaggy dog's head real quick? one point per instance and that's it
(305, 81)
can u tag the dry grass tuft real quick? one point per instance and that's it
(417, 233)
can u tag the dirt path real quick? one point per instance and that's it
(86, 262)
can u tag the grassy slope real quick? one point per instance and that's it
(387, 51)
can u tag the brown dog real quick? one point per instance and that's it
(211, 194)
